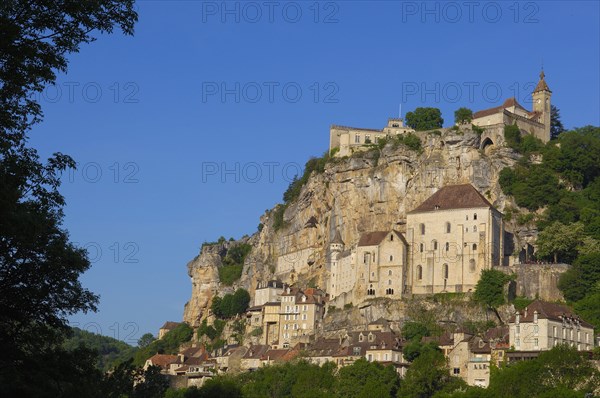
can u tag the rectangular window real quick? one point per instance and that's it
(456, 371)
(357, 139)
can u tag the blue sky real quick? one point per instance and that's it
(193, 127)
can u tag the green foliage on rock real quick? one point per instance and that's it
(231, 304)
(490, 288)
(463, 115)
(233, 263)
(169, 344)
(424, 119)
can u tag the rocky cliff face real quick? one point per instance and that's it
(369, 191)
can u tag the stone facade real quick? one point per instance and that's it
(453, 236)
(351, 139)
(543, 325)
(374, 268)
(535, 122)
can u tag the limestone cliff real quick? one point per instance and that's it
(368, 191)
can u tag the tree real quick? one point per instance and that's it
(427, 375)
(39, 267)
(365, 379)
(556, 126)
(425, 119)
(559, 241)
(145, 340)
(463, 116)
(36, 38)
(512, 135)
(581, 278)
(490, 289)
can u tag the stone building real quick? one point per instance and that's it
(267, 292)
(350, 139)
(543, 325)
(453, 235)
(166, 328)
(375, 268)
(300, 314)
(535, 122)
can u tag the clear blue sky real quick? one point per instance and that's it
(149, 122)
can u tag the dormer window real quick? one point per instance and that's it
(361, 338)
(371, 337)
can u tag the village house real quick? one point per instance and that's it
(453, 235)
(543, 325)
(351, 139)
(300, 314)
(166, 328)
(268, 292)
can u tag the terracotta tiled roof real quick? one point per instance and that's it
(170, 325)
(546, 310)
(324, 348)
(492, 111)
(162, 360)
(454, 197)
(274, 355)
(375, 237)
(256, 351)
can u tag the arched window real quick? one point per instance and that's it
(474, 228)
(391, 258)
(389, 281)
(447, 246)
(390, 272)
(419, 272)
(421, 247)
(434, 244)
(448, 227)
(389, 291)
(475, 216)
(472, 265)
(445, 271)
(371, 291)
(422, 228)
(474, 246)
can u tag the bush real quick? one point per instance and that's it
(231, 304)
(169, 344)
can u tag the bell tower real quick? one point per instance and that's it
(541, 103)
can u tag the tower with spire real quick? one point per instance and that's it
(541, 104)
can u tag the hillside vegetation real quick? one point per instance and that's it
(562, 193)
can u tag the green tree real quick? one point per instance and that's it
(556, 126)
(489, 290)
(582, 278)
(512, 135)
(427, 375)
(424, 119)
(463, 116)
(39, 267)
(365, 379)
(414, 330)
(240, 301)
(560, 242)
(145, 340)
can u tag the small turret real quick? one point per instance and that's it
(541, 104)
(336, 244)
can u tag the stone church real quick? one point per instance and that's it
(450, 238)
